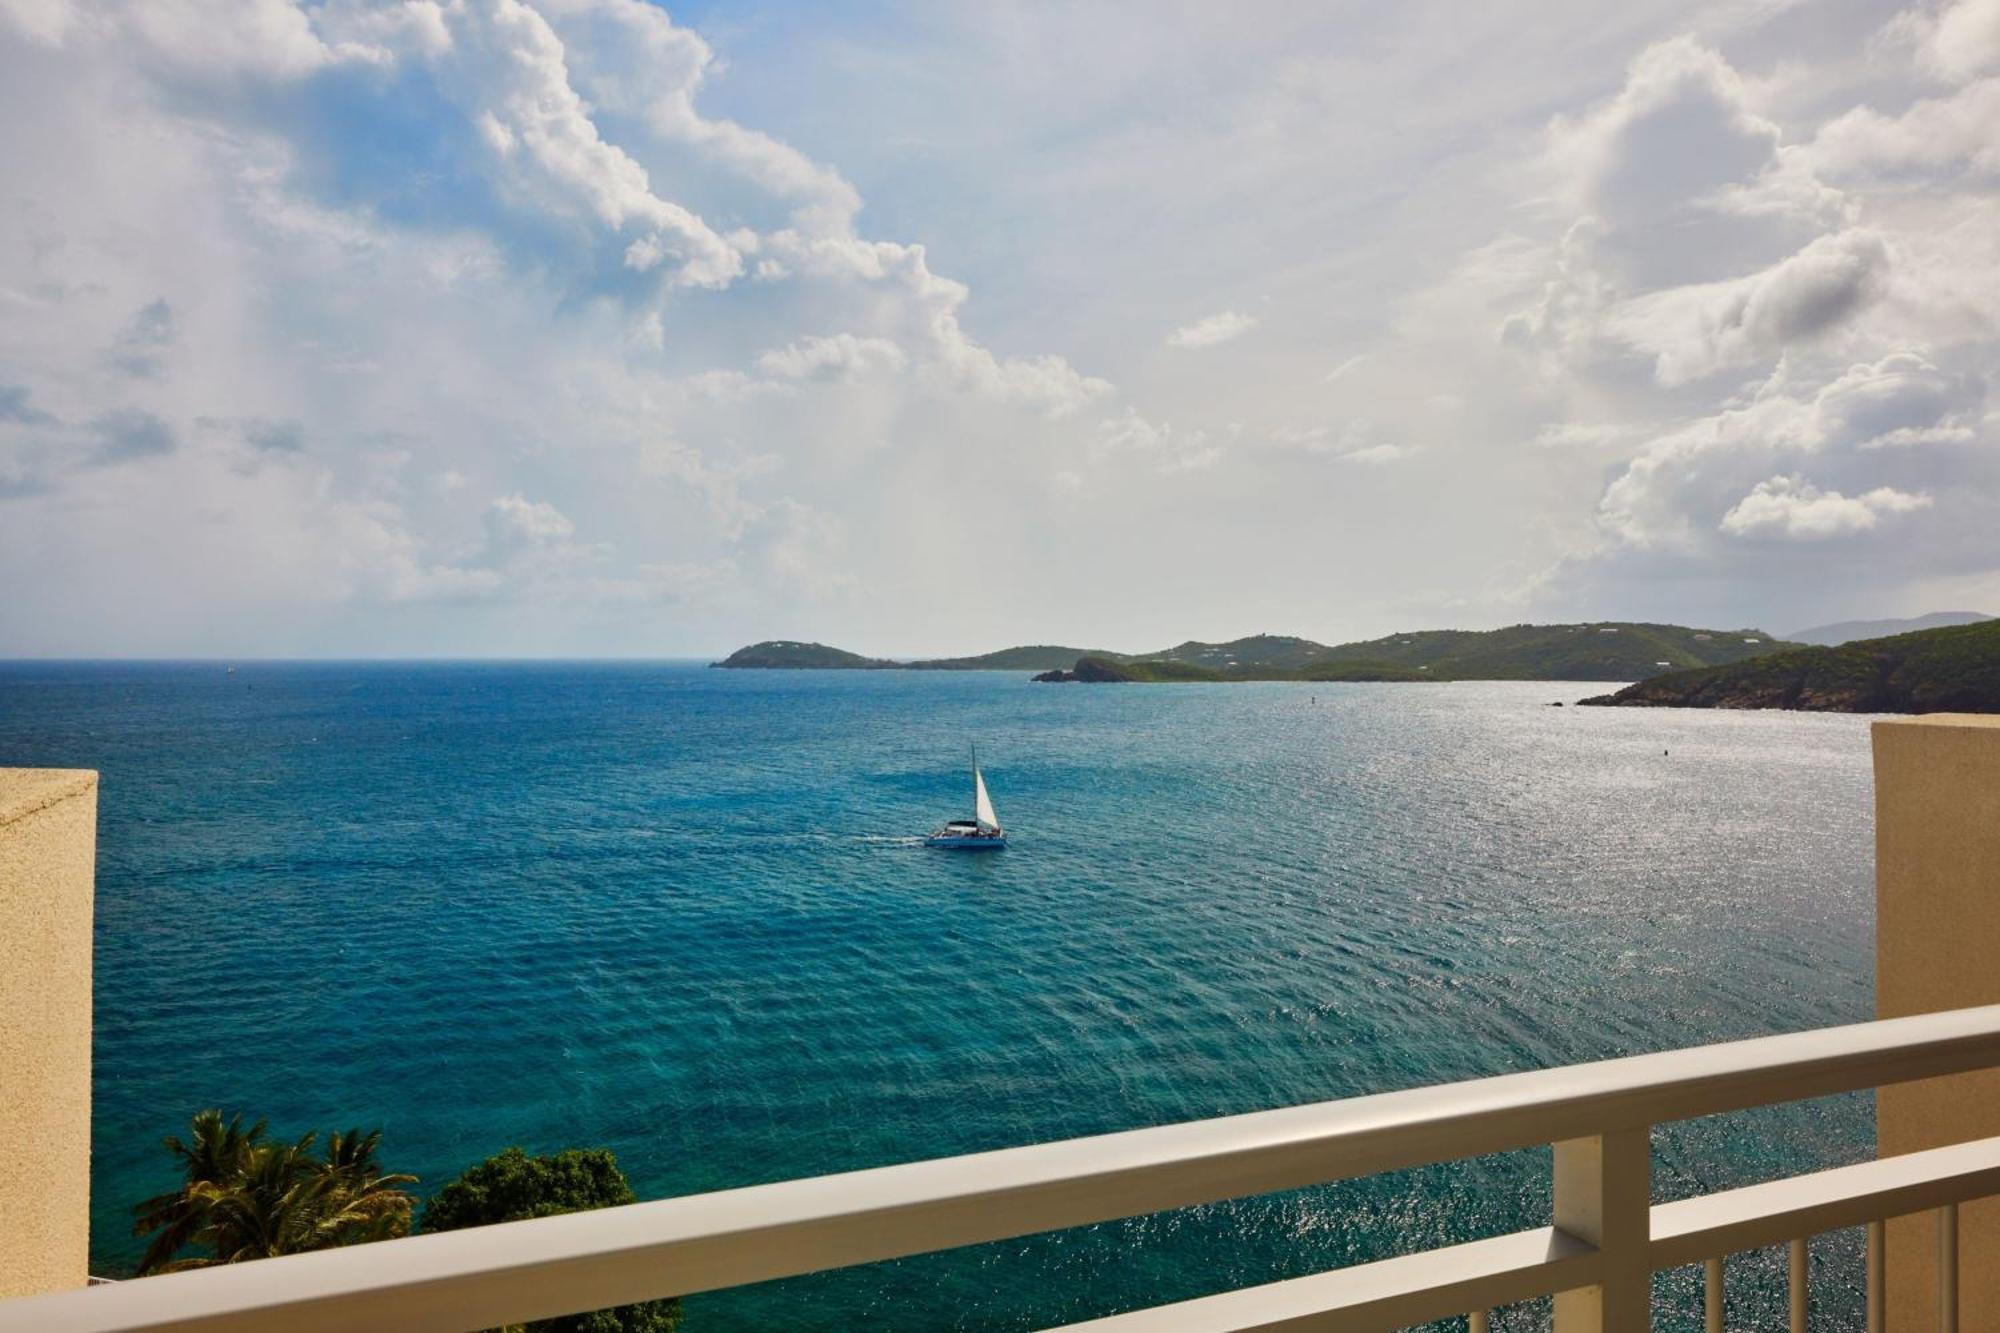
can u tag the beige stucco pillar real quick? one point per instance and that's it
(1937, 946)
(48, 862)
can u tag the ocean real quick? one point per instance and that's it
(683, 913)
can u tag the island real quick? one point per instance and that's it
(1598, 650)
(1952, 670)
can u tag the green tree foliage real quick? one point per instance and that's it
(511, 1186)
(243, 1196)
(1955, 670)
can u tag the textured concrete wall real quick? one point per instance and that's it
(48, 859)
(1937, 946)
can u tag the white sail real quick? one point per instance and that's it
(982, 804)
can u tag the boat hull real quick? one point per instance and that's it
(954, 842)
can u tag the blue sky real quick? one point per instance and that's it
(591, 326)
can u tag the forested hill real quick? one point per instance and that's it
(1603, 650)
(1953, 670)
(792, 655)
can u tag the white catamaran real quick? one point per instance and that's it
(982, 832)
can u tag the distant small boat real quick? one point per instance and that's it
(982, 832)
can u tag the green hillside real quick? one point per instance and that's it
(1270, 652)
(1605, 650)
(1106, 671)
(789, 654)
(1935, 670)
(1601, 650)
(1035, 657)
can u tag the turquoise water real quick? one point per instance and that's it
(680, 912)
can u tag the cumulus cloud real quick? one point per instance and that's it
(1168, 448)
(531, 262)
(1682, 178)
(1699, 239)
(1956, 40)
(1936, 136)
(630, 57)
(1213, 330)
(348, 327)
(1693, 331)
(841, 356)
(516, 518)
(1866, 337)
(1794, 509)
(1901, 400)
(1871, 416)
(948, 358)
(511, 70)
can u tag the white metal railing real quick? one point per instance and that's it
(1597, 1258)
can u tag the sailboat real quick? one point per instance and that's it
(982, 832)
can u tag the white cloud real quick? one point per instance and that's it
(532, 262)
(1870, 417)
(1375, 455)
(1794, 509)
(509, 66)
(1682, 178)
(948, 358)
(841, 356)
(1695, 331)
(1955, 41)
(630, 57)
(1168, 448)
(1215, 329)
(516, 518)
(1900, 401)
(720, 485)
(1584, 434)
(1938, 136)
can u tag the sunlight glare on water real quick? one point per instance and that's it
(683, 913)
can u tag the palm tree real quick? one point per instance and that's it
(362, 1202)
(245, 1198)
(215, 1154)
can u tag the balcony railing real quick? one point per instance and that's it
(1606, 1239)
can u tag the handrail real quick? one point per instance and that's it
(1435, 1284)
(549, 1266)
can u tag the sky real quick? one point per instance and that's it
(596, 327)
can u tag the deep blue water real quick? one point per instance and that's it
(679, 912)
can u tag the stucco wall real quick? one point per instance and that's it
(48, 853)
(1937, 946)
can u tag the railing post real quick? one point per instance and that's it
(1947, 1231)
(1604, 1196)
(1878, 1239)
(1801, 1291)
